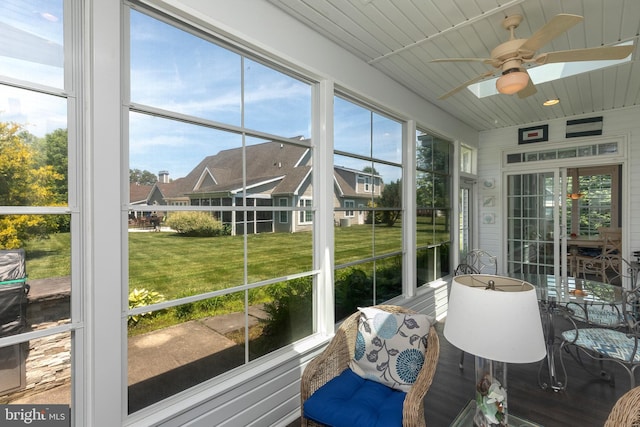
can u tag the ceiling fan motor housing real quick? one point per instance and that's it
(509, 55)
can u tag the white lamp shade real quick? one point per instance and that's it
(512, 82)
(502, 324)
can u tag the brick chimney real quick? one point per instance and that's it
(163, 177)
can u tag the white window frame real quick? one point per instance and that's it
(73, 92)
(283, 216)
(350, 205)
(366, 181)
(305, 202)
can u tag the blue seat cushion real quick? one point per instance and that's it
(349, 400)
(607, 342)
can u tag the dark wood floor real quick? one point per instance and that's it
(586, 402)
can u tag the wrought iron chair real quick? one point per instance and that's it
(465, 268)
(334, 360)
(616, 271)
(477, 261)
(606, 343)
(482, 261)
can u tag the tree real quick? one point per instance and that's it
(370, 170)
(24, 181)
(391, 197)
(136, 176)
(54, 152)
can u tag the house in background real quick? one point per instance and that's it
(278, 175)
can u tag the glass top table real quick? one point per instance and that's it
(554, 293)
(556, 289)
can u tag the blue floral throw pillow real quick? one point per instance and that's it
(390, 347)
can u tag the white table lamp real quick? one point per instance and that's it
(497, 319)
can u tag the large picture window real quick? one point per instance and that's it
(433, 203)
(368, 173)
(39, 122)
(219, 143)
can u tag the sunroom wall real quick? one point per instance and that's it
(266, 394)
(621, 125)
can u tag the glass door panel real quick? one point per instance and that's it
(464, 218)
(532, 220)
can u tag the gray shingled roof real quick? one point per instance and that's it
(285, 165)
(265, 162)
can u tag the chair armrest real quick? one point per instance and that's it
(413, 408)
(328, 365)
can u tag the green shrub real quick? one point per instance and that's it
(228, 303)
(353, 288)
(141, 298)
(289, 310)
(195, 224)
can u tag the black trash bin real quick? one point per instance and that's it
(13, 318)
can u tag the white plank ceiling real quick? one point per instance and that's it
(401, 37)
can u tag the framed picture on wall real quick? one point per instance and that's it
(533, 134)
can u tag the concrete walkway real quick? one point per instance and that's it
(176, 346)
(167, 361)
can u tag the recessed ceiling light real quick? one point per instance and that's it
(550, 102)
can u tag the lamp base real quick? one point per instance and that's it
(491, 393)
(465, 418)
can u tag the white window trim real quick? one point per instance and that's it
(349, 213)
(302, 218)
(285, 213)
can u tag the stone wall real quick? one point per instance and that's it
(47, 361)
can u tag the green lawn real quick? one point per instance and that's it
(178, 266)
(49, 257)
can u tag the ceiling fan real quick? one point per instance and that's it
(509, 57)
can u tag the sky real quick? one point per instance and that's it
(32, 49)
(173, 70)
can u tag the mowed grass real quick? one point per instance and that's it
(178, 266)
(50, 257)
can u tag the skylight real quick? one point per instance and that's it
(548, 72)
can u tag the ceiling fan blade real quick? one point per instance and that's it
(465, 84)
(552, 29)
(529, 90)
(591, 54)
(488, 61)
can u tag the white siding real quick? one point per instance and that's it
(622, 124)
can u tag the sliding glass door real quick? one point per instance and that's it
(534, 217)
(549, 211)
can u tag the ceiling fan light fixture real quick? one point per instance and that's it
(512, 81)
(550, 102)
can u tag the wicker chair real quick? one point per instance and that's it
(626, 411)
(336, 356)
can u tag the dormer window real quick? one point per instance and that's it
(364, 184)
